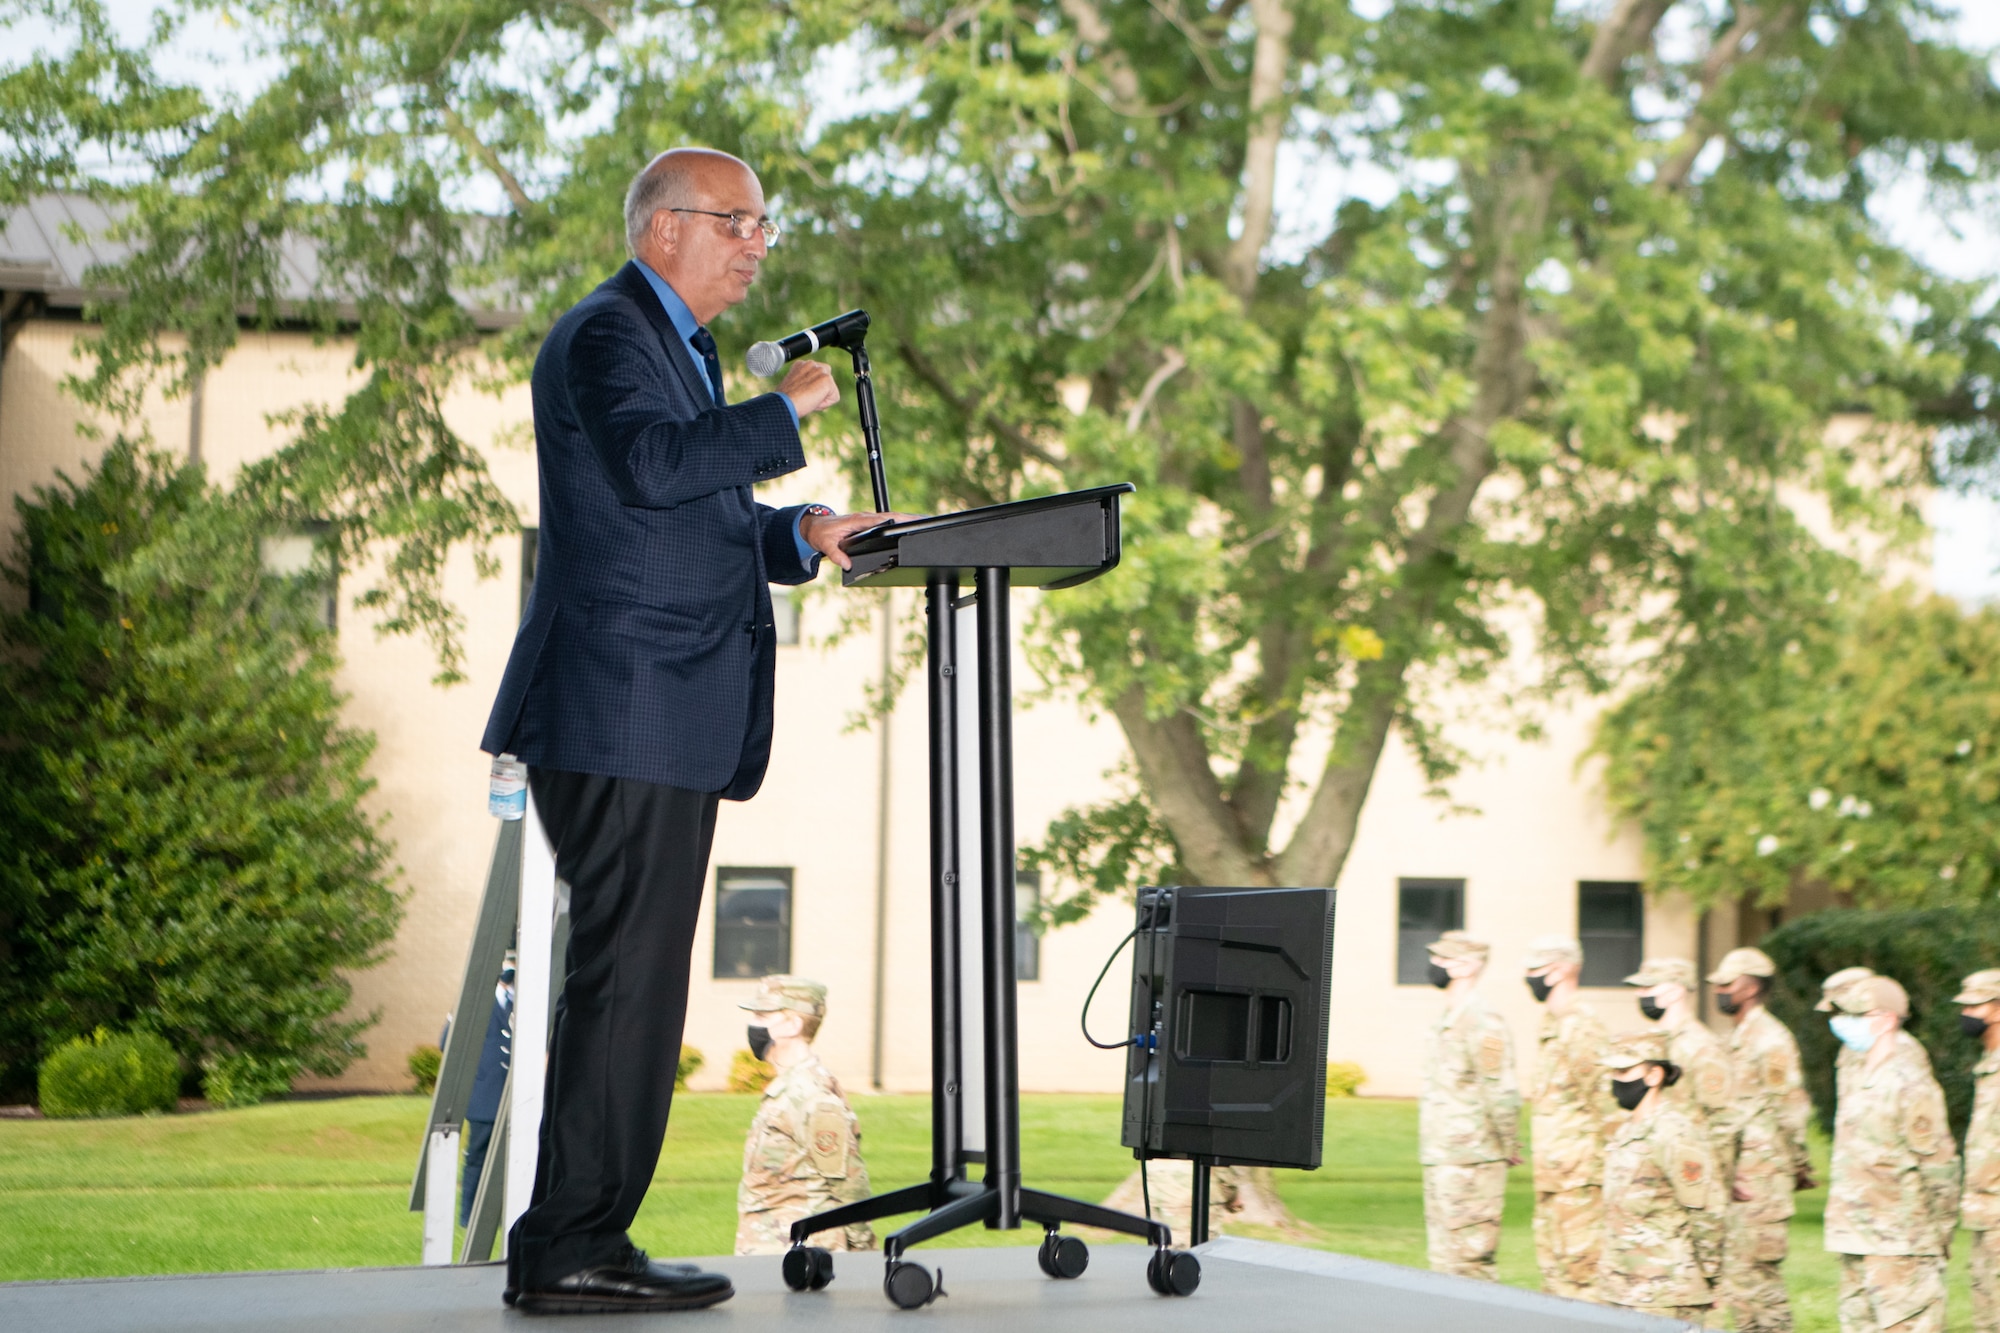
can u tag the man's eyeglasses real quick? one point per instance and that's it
(741, 225)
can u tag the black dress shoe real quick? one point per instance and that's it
(635, 1283)
(511, 1293)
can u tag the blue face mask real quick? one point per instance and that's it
(1854, 1031)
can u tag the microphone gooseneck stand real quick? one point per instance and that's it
(1047, 542)
(871, 425)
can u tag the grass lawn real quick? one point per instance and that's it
(324, 1184)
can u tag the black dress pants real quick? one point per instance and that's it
(635, 856)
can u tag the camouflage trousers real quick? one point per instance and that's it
(1753, 1276)
(1569, 1239)
(1986, 1282)
(770, 1232)
(1891, 1293)
(1462, 1217)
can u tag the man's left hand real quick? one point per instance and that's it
(825, 532)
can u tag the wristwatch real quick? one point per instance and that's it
(819, 511)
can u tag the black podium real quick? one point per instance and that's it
(1050, 542)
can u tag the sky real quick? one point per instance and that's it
(1966, 549)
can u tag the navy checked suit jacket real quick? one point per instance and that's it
(646, 649)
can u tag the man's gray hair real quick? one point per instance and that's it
(661, 183)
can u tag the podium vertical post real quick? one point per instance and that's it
(996, 804)
(947, 1084)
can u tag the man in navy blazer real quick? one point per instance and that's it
(639, 692)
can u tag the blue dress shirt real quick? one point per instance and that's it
(685, 324)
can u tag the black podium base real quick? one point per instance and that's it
(953, 1204)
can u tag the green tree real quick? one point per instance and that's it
(182, 845)
(1860, 755)
(1534, 398)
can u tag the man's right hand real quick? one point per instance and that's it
(810, 386)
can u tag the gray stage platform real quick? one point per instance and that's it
(1247, 1285)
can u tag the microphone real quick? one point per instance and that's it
(768, 358)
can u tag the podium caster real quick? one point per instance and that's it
(910, 1287)
(808, 1268)
(1063, 1256)
(1173, 1272)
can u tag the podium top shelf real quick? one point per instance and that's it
(1051, 541)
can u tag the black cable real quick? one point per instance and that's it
(1146, 1096)
(1083, 1019)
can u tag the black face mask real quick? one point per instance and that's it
(760, 1040)
(1539, 987)
(1972, 1025)
(1439, 977)
(1629, 1092)
(1650, 1007)
(1728, 1004)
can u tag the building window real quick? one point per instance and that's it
(295, 555)
(785, 615)
(1027, 935)
(753, 921)
(531, 546)
(1611, 926)
(1425, 909)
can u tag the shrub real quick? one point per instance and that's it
(1344, 1078)
(1928, 951)
(103, 1074)
(424, 1062)
(245, 1080)
(183, 846)
(749, 1074)
(690, 1064)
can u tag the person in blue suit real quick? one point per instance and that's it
(489, 1081)
(638, 692)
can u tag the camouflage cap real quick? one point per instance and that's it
(1980, 988)
(1872, 994)
(798, 994)
(1840, 981)
(1456, 944)
(1742, 963)
(1548, 950)
(1638, 1048)
(1664, 972)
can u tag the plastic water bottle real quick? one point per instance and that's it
(507, 794)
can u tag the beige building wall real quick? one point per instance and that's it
(1539, 831)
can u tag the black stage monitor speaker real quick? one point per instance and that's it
(1229, 1018)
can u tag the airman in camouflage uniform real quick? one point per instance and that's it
(1468, 1117)
(804, 1151)
(1771, 1113)
(1979, 1206)
(1663, 1198)
(1893, 1198)
(1570, 1108)
(1706, 1090)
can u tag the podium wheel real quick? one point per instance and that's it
(909, 1286)
(1173, 1272)
(808, 1268)
(1063, 1256)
